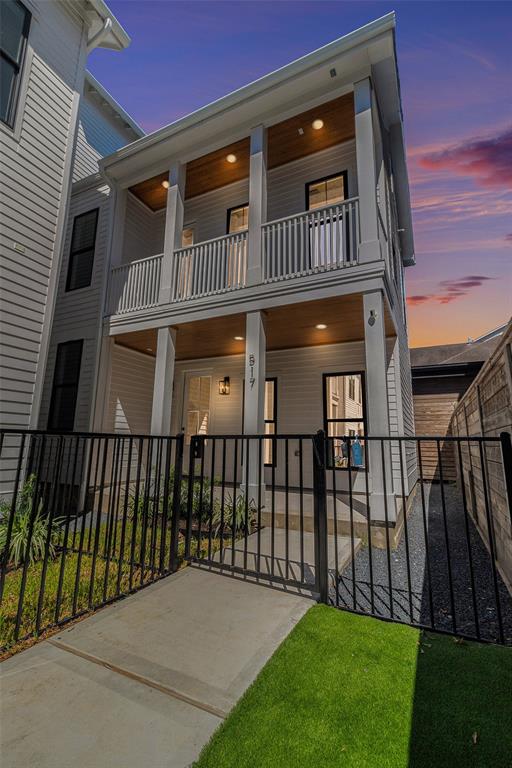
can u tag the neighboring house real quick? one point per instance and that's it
(43, 52)
(249, 264)
(440, 377)
(486, 409)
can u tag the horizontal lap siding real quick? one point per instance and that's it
(77, 313)
(131, 392)
(32, 176)
(143, 232)
(486, 409)
(207, 213)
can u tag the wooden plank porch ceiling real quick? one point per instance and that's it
(287, 327)
(287, 141)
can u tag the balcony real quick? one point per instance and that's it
(312, 242)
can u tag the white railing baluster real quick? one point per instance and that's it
(135, 285)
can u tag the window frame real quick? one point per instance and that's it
(343, 174)
(228, 217)
(273, 421)
(327, 421)
(75, 385)
(12, 109)
(73, 254)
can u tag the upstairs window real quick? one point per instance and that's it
(328, 191)
(14, 27)
(238, 219)
(65, 386)
(81, 256)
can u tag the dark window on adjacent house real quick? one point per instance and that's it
(238, 219)
(344, 417)
(14, 27)
(65, 386)
(81, 255)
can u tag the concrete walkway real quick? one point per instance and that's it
(144, 682)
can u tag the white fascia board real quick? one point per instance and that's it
(357, 39)
(118, 39)
(115, 106)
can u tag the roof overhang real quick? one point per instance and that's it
(116, 108)
(105, 31)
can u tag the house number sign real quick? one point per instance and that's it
(252, 363)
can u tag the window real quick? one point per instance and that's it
(65, 386)
(345, 419)
(328, 191)
(14, 27)
(187, 237)
(81, 256)
(238, 218)
(197, 409)
(270, 418)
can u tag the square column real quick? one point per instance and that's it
(369, 247)
(381, 478)
(173, 228)
(257, 203)
(163, 383)
(254, 401)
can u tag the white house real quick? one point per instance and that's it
(43, 52)
(241, 270)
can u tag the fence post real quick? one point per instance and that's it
(506, 453)
(320, 516)
(176, 501)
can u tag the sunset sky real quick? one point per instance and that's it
(455, 63)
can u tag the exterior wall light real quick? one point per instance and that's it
(373, 317)
(318, 124)
(224, 386)
(231, 158)
(165, 184)
(321, 326)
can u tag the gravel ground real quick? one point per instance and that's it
(470, 612)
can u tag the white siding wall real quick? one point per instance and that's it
(143, 231)
(32, 170)
(131, 392)
(99, 134)
(77, 313)
(207, 214)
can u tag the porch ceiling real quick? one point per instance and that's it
(287, 141)
(287, 327)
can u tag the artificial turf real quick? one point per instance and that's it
(351, 691)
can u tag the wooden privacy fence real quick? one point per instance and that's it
(486, 409)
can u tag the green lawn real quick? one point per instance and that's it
(351, 691)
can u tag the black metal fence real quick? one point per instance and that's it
(87, 518)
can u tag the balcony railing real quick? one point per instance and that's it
(215, 266)
(135, 285)
(315, 241)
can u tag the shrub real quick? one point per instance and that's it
(19, 546)
(235, 514)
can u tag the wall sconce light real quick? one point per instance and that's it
(373, 317)
(224, 386)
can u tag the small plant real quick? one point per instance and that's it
(22, 545)
(235, 515)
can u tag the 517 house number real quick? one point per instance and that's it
(252, 363)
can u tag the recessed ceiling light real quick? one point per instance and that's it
(238, 338)
(317, 124)
(148, 349)
(231, 158)
(321, 326)
(165, 184)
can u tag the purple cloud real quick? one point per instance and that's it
(450, 290)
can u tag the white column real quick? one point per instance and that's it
(163, 383)
(254, 399)
(369, 247)
(173, 227)
(103, 382)
(118, 227)
(257, 203)
(378, 406)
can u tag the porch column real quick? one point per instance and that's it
(173, 227)
(254, 400)
(164, 377)
(378, 407)
(118, 226)
(102, 385)
(369, 247)
(257, 203)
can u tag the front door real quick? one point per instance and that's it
(196, 405)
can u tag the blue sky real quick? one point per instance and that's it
(455, 62)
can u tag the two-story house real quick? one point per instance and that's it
(241, 270)
(43, 52)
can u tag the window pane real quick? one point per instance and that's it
(269, 401)
(80, 270)
(187, 237)
(344, 397)
(84, 231)
(12, 20)
(67, 364)
(316, 195)
(328, 192)
(335, 192)
(238, 219)
(7, 84)
(65, 386)
(63, 409)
